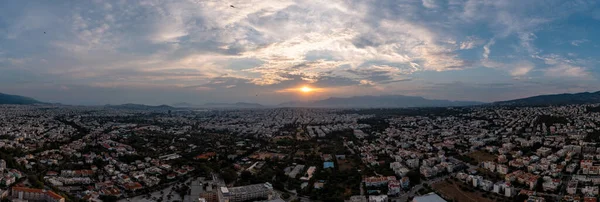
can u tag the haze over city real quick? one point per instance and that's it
(269, 52)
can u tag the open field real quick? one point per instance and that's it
(453, 191)
(481, 156)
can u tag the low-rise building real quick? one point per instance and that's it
(24, 193)
(394, 187)
(378, 198)
(245, 193)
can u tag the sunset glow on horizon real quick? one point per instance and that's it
(303, 89)
(306, 89)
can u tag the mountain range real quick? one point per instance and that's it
(554, 99)
(383, 101)
(131, 106)
(219, 105)
(17, 99)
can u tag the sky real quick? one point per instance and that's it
(199, 51)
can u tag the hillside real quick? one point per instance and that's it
(140, 107)
(554, 99)
(17, 99)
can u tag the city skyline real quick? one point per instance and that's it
(270, 52)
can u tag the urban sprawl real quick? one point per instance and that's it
(490, 153)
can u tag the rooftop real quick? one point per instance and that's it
(31, 190)
(247, 189)
(431, 197)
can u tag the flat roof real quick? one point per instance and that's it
(249, 188)
(224, 190)
(431, 197)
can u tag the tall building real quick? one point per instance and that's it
(24, 193)
(245, 193)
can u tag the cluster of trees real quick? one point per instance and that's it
(593, 109)
(285, 142)
(550, 120)
(338, 185)
(182, 189)
(7, 155)
(593, 136)
(530, 150)
(35, 181)
(377, 124)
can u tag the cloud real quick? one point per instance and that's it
(566, 70)
(561, 67)
(380, 74)
(203, 88)
(35, 18)
(579, 42)
(365, 82)
(154, 36)
(486, 48)
(429, 3)
(516, 69)
(470, 42)
(465, 45)
(15, 62)
(526, 40)
(522, 68)
(277, 44)
(499, 91)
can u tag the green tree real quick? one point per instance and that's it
(414, 177)
(229, 175)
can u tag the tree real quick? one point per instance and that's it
(35, 181)
(521, 197)
(539, 185)
(229, 175)
(414, 177)
(246, 176)
(108, 198)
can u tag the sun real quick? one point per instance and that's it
(303, 89)
(306, 89)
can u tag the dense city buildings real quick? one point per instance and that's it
(69, 153)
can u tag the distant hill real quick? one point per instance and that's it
(232, 105)
(219, 105)
(130, 106)
(17, 99)
(184, 105)
(384, 101)
(554, 99)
